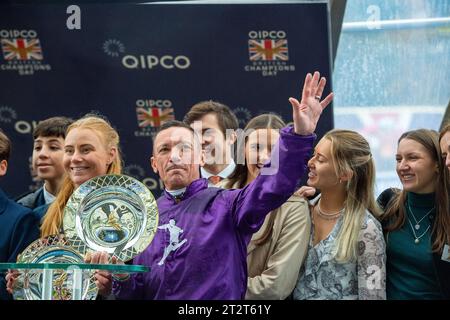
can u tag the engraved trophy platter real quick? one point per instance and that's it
(52, 250)
(112, 213)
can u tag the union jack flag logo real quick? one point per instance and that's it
(268, 50)
(154, 117)
(21, 49)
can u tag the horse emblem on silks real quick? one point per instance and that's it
(174, 242)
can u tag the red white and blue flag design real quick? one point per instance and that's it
(268, 50)
(21, 49)
(154, 117)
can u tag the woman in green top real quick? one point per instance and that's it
(416, 220)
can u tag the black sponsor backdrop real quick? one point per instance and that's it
(208, 43)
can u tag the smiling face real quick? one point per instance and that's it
(415, 167)
(47, 158)
(445, 148)
(258, 149)
(85, 155)
(213, 142)
(175, 157)
(322, 174)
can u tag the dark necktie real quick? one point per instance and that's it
(178, 198)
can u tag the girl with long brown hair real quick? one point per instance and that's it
(416, 220)
(276, 252)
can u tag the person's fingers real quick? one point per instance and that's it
(314, 83)
(101, 287)
(103, 282)
(306, 86)
(305, 191)
(95, 258)
(294, 102)
(320, 88)
(12, 274)
(11, 279)
(104, 257)
(103, 276)
(88, 257)
(325, 102)
(9, 284)
(300, 192)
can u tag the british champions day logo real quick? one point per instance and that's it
(268, 53)
(151, 114)
(21, 51)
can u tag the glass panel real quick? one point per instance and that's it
(64, 266)
(392, 73)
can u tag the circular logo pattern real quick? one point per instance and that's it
(7, 114)
(113, 47)
(135, 171)
(243, 115)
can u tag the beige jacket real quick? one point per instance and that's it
(274, 267)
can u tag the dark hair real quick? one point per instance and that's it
(263, 121)
(395, 213)
(5, 146)
(444, 130)
(225, 117)
(239, 176)
(171, 124)
(52, 127)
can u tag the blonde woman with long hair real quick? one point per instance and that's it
(346, 252)
(91, 149)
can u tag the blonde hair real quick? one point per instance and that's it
(351, 154)
(53, 218)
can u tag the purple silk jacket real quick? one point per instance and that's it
(200, 248)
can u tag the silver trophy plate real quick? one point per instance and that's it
(53, 249)
(112, 213)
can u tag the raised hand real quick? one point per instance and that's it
(306, 113)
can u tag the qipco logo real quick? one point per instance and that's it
(25, 34)
(152, 62)
(25, 127)
(153, 103)
(263, 34)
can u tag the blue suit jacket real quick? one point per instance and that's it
(19, 227)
